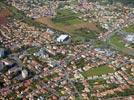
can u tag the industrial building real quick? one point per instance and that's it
(63, 39)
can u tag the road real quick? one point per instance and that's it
(65, 62)
(67, 78)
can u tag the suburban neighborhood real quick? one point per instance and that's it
(66, 50)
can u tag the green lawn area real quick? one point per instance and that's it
(66, 17)
(117, 41)
(129, 28)
(98, 71)
(84, 35)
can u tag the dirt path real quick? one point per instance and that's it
(67, 28)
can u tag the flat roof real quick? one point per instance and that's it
(61, 37)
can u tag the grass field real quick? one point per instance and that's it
(116, 40)
(118, 43)
(129, 29)
(98, 71)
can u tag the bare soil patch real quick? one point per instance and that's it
(3, 16)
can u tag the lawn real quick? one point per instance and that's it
(98, 71)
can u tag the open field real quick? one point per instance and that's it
(66, 17)
(118, 43)
(66, 28)
(129, 29)
(98, 71)
(116, 40)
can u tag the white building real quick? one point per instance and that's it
(63, 39)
